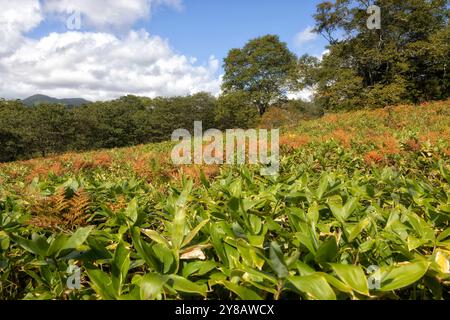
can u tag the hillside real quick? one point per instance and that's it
(357, 192)
(40, 98)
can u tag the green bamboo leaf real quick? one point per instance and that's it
(131, 212)
(336, 283)
(404, 275)
(151, 286)
(165, 255)
(314, 285)
(57, 245)
(4, 241)
(353, 276)
(327, 251)
(120, 266)
(179, 221)
(38, 245)
(342, 213)
(277, 260)
(323, 186)
(101, 283)
(193, 233)
(357, 229)
(78, 238)
(185, 285)
(242, 292)
(144, 250)
(155, 236)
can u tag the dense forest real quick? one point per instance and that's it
(52, 128)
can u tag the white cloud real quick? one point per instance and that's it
(15, 20)
(105, 14)
(95, 65)
(305, 36)
(102, 66)
(323, 54)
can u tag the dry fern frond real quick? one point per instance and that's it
(58, 212)
(77, 214)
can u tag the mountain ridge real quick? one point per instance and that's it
(37, 99)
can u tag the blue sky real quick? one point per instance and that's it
(202, 28)
(206, 27)
(156, 41)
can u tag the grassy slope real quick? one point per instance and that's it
(361, 188)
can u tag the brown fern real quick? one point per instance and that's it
(58, 212)
(77, 214)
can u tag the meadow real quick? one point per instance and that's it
(360, 209)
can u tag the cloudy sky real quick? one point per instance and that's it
(103, 49)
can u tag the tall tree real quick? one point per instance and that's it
(264, 68)
(404, 61)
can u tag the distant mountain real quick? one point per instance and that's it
(40, 98)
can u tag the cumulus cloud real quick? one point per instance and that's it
(105, 14)
(15, 20)
(95, 65)
(305, 36)
(101, 66)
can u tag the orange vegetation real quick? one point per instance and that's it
(343, 137)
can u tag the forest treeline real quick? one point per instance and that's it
(407, 60)
(45, 129)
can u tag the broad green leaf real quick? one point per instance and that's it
(78, 238)
(38, 245)
(4, 241)
(57, 245)
(165, 255)
(242, 292)
(217, 242)
(179, 223)
(404, 275)
(327, 251)
(304, 269)
(198, 268)
(143, 249)
(193, 233)
(339, 285)
(155, 236)
(277, 260)
(151, 285)
(101, 283)
(353, 276)
(259, 274)
(120, 266)
(444, 235)
(357, 229)
(342, 213)
(185, 285)
(313, 212)
(323, 186)
(306, 240)
(131, 212)
(314, 286)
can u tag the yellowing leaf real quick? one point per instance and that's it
(443, 261)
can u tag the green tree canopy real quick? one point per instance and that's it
(405, 61)
(236, 111)
(264, 68)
